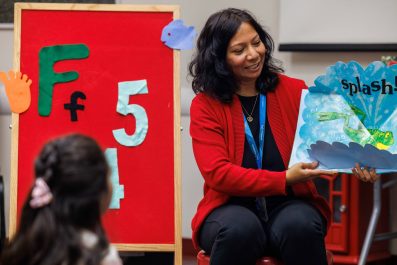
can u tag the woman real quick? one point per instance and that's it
(243, 123)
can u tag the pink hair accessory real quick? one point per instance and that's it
(41, 194)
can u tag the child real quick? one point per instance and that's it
(61, 218)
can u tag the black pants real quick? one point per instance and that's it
(295, 231)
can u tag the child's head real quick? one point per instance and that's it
(75, 170)
(69, 194)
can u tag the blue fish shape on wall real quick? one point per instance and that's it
(178, 36)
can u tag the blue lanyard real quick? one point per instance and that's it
(262, 118)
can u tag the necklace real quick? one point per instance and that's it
(249, 114)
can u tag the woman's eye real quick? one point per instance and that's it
(257, 43)
(239, 51)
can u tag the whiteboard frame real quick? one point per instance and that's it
(19, 7)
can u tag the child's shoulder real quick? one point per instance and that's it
(89, 239)
(112, 258)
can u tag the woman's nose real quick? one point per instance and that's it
(252, 53)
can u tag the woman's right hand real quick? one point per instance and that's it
(365, 174)
(305, 171)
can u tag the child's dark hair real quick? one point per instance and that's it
(209, 69)
(75, 170)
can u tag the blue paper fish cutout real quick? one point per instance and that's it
(178, 36)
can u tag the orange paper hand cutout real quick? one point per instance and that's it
(17, 90)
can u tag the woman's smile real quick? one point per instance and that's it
(255, 66)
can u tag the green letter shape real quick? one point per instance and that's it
(48, 56)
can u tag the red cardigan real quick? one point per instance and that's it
(217, 132)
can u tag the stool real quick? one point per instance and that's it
(203, 259)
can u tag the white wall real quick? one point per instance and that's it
(322, 27)
(6, 53)
(5, 152)
(302, 65)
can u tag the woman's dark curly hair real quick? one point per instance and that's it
(76, 171)
(210, 72)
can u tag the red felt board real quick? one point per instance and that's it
(124, 45)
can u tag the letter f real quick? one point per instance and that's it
(48, 56)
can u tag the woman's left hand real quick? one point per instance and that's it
(365, 174)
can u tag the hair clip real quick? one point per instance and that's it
(41, 194)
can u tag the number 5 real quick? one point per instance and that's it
(125, 90)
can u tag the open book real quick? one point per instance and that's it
(349, 116)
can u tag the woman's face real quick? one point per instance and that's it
(245, 54)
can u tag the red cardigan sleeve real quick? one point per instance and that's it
(210, 130)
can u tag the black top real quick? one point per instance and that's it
(271, 160)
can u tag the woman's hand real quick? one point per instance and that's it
(365, 174)
(305, 171)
